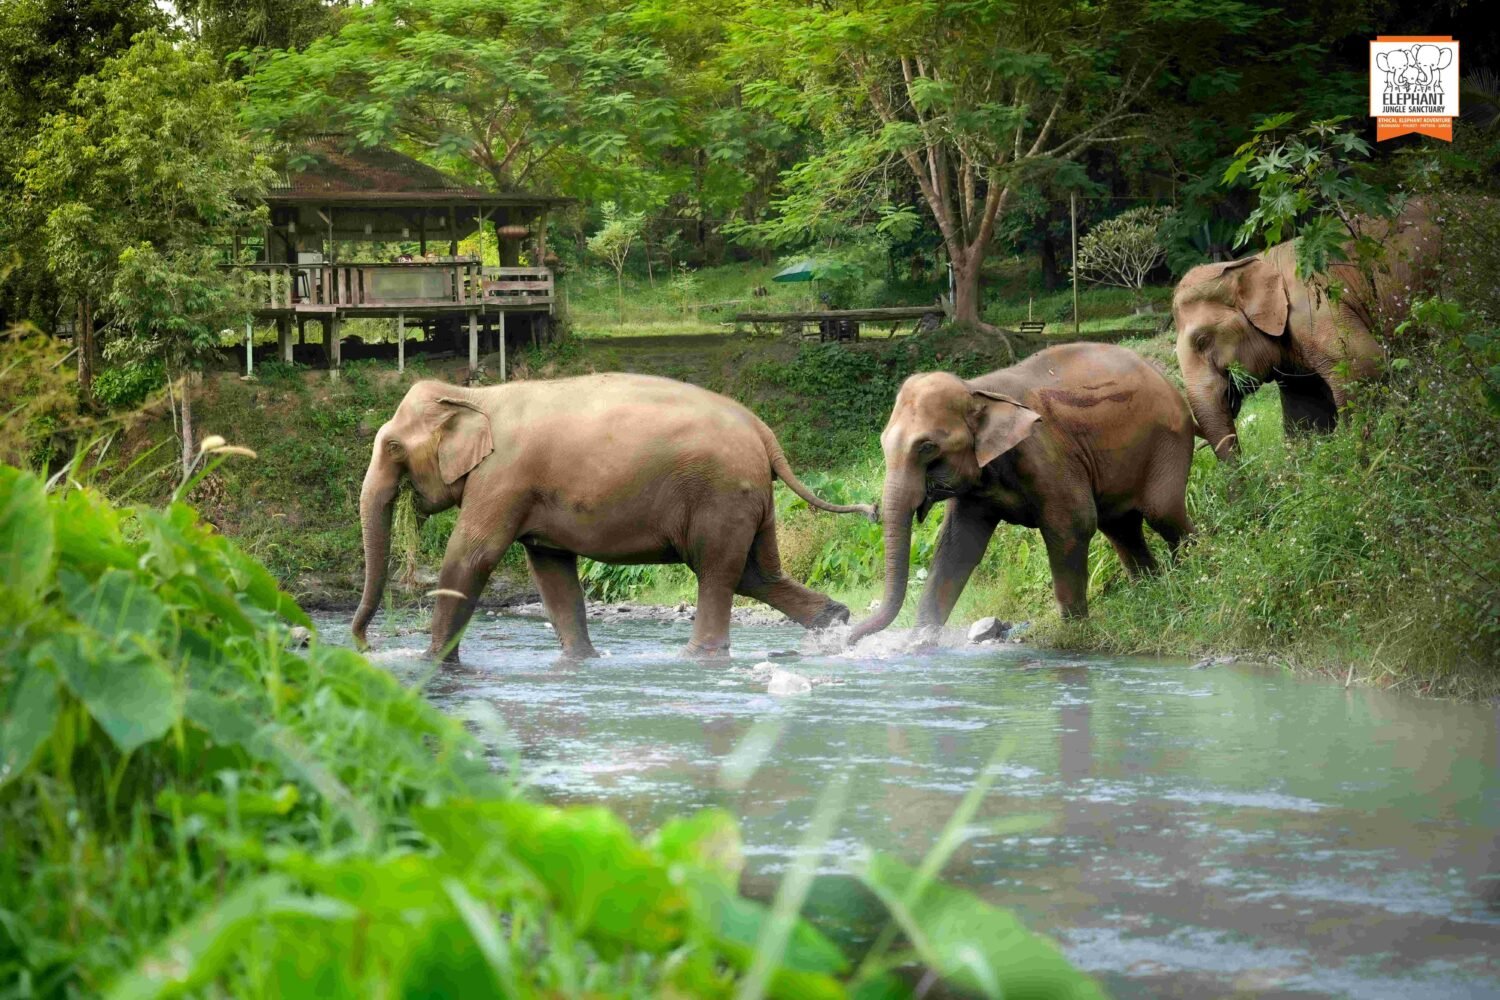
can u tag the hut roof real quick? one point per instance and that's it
(330, 169)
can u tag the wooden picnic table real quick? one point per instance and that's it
(842, 324)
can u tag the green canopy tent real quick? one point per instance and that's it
(803, 270)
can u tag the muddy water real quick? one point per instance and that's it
(1230, 831)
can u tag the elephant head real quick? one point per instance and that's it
(1392, 64)
(436, 438)
(941, 433)
(1231, 326)
(1428, 60)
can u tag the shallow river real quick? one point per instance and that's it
(1229, 831)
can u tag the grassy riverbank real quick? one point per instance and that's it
(1370, 554)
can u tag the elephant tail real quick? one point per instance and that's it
(783, 471)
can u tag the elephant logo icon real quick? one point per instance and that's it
(1414, 79)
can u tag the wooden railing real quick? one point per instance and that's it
(416, 285)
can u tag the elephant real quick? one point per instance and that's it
(1245, 322)
(616, 467)
(1429, 60)
(1393, 64)
(1075, 438)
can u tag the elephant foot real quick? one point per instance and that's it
(694, 651)
(832, 613)
(583, 651)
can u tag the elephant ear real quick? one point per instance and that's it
(999, 424)
(1380, 62)
(1259, 291)
(464, 438)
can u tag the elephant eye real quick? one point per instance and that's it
(927, 448)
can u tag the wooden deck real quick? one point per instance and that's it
(416, 288)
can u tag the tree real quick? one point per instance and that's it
(46, 46)
(515, 92)
(136, 182)
(971, 100)
(1124, 250)
(612, 243)
(228, 26)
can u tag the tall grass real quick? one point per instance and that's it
(190, 804)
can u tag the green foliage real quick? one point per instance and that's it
(157, 123)
(1314, 183)
(128, 385)
(1124, 250)
(190, 806)
(517, 92)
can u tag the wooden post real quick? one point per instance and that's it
(401, 342)
(331, 333)
(1073, 221)
(452, 232)
(502, 345)
(473, 342)
(249, 347)
(422, 235)
(301, 331)
(284, 338)
(541, 239)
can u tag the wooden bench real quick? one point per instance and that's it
(1033, 326)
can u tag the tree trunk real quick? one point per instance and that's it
(620, 294)
(83, 341)
(966, 290)
(189, 452)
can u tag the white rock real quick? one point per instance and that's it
(299, 637)
(987, 628)
(785, 683)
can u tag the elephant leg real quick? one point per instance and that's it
(968, 526)
(467, 563)
(1124, 533)
(556, 576)
(718, 556)
(1307, 406)
(764, 581)
(1067, 534)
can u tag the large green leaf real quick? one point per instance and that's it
(26, 539)
(128, 691)
(972, 944)
(116, 605)
(88, 533)
(28, 711)
(210, 942)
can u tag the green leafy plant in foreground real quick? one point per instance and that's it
(189, 805)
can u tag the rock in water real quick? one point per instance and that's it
(298, 638)
(784, 683)
(988, 628)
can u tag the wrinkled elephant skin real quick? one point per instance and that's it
(617, 468)
(1074, 439)
(1246, 322)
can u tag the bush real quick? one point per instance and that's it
(126, 386)
(188, 805)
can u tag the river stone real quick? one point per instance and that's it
(299, 637)
(988, 628)
(784, 683)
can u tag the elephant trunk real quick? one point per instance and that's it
(376, 500)
(1213, 413)
(896, 510)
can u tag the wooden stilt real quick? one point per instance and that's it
(473, 342)
(331, 331)
(400, 342)
(502, 345)
(284, 338)
(249, 347)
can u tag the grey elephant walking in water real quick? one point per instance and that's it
(618, 468)
(1074, 439)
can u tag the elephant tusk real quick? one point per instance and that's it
(445, 592)
(1222, 440)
